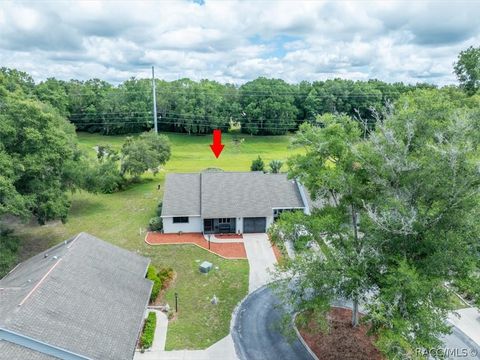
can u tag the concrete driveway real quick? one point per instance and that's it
(468, 321)
(261, 259)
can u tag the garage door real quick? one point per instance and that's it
(254, 225)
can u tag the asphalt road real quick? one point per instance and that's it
(255, 330)
(457, 345)
(256, 335)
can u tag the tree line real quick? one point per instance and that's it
(260, 107)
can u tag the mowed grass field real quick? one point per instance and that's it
(121, 219)
(192, 153)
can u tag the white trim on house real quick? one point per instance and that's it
(301, 190)
(269, 221)
(288, 208)
(172, 216)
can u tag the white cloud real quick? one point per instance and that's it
(236, 41)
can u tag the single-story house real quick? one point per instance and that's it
(81, 299)
(229, 202)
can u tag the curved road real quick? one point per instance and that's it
(256, 335)
(255, 330)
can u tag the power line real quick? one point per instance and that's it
(260, 94)
(200, 122)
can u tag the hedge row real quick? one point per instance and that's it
(149, 330)
(157, 283)
(160, 279)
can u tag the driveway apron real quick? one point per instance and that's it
(261, 259)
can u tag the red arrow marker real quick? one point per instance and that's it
(217, 145)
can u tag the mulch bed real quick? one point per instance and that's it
(234, 250)
(277, 252)
(341, 341)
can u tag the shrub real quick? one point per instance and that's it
(165, 275)
(149, 330)
(257, 164)
(103, 177)
(157, 283)
(301, 242)
(275, 166)
(155, 224)
(159, 208)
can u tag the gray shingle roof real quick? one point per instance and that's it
(229, 194)
(284, 193)
(181, 195)
(87, 296)
(11, 351)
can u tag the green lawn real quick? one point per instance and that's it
(201, 323)
(121, 219)
(192, 153)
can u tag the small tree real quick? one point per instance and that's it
(147, 152)
(467, 69)
(257, 164)
(106, 152)
(275, 166)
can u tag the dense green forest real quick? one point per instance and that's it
(261, 107)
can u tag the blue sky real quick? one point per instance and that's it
(236, 41)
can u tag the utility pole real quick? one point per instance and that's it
(155, 125)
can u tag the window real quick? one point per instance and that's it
(224, 221)
(180, 220)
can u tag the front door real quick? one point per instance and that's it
(208, 225)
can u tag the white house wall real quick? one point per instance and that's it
(194, 224)
(239, 225)
(269, 221)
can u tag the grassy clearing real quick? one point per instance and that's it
(192, 153)
(121, 219)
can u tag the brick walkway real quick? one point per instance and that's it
(225, 250)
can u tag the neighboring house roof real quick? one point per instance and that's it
(229, 194)
(13, 351)
(84, 296)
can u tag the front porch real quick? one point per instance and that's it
(219, 226)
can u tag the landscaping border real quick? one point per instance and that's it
(191, 243)
(300, 337)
